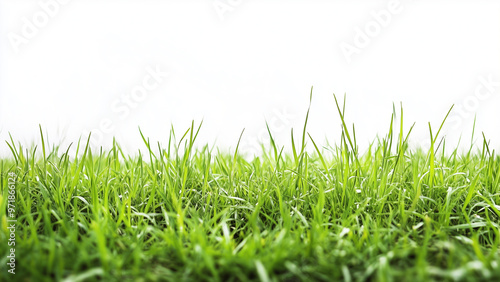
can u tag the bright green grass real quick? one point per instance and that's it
(176, 213)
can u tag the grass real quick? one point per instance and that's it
(329, 213)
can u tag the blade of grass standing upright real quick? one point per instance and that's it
(347, 133)
(298, 182)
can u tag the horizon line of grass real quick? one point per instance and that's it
(181, 213)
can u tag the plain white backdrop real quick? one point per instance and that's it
(112, 66)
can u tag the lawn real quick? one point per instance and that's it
(181, 212)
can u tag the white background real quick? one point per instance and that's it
(236, 64)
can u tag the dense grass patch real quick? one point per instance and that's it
(327, 213)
